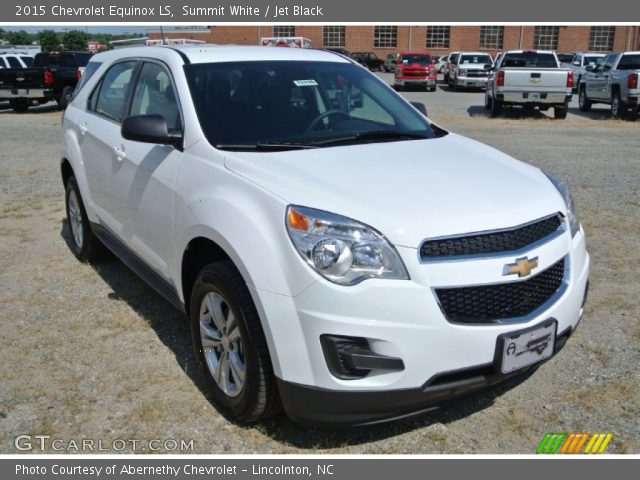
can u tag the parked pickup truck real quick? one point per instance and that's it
(469, 70)
(529, 78)
(614, 81)
(580, 63)
(53, 76)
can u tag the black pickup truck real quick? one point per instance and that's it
(369, 60)
(53, 76)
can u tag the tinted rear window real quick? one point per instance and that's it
(28, 61)
(63, 59)
(529, 60)
(13, 62)
(629, 62)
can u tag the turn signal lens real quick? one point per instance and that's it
(297, 220)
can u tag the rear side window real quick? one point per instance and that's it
(28, 61)
(87, 74)
(110, 97)
(14, 62)
(629, 62)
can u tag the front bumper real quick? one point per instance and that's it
(16, 93)
(418, 81)
(402, 319)
(479, 82)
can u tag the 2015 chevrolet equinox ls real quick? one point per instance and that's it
(336, 253)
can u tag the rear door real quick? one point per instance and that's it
(100, 140)
(143, 182)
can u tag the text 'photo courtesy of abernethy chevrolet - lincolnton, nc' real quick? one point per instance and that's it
(338, 255)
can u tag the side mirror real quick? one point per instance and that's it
(150, 129)
(577, 64)
(421, 107)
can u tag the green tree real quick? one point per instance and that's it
(3, 33)
(75, 40)
(48, 40)
(18, 38)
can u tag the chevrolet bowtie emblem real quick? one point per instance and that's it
(522, 267)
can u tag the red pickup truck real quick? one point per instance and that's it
(415, 69)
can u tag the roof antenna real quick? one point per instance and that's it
(164, 40)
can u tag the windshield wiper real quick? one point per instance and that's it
(273, 147)
(375, 135)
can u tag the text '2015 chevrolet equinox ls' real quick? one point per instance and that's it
(336, 253)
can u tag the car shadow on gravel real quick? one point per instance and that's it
(173, 331)
(511, 113)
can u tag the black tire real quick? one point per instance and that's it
(258, 397)
(19, 105)
(65, 97)
(432, 89)
(529, 107)
(583, 102)
(560, 113)
(87, 247)
(619, 109)
(398, 88)
(487, 102)
(496, 107)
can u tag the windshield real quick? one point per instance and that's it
(530, 59)
(304, 104)
(592, 60)
(486, 59)
(629, 62)
(419, 59)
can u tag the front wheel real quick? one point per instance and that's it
(583, 102)
(230, 345)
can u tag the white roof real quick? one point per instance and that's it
(224, 53)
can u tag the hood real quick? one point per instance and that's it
(408, 190)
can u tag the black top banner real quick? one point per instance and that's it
(317, 11)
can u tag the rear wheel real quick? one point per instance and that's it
(560, 112)
(230, 345)
(65, 97)
(496, 107)
(19, 105)
(618, 107)
(583, 102)
(83, 243)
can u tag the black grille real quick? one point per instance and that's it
(494, 242)
(495, 303)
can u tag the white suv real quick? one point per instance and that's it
(335, 252)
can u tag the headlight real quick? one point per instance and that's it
(574, 223)
(340, 249)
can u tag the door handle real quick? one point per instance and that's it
(83, 128)
(118, 150)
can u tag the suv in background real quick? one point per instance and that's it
(350, 261)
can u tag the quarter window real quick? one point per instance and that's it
(111, 95)
(155, 95)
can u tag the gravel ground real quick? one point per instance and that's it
(91, 352)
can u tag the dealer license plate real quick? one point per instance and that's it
(526, 347)
(22, 91)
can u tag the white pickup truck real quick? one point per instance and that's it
(529, 78)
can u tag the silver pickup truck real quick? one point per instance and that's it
(529, 78)
(614, 81)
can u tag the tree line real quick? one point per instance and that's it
(75, 40)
